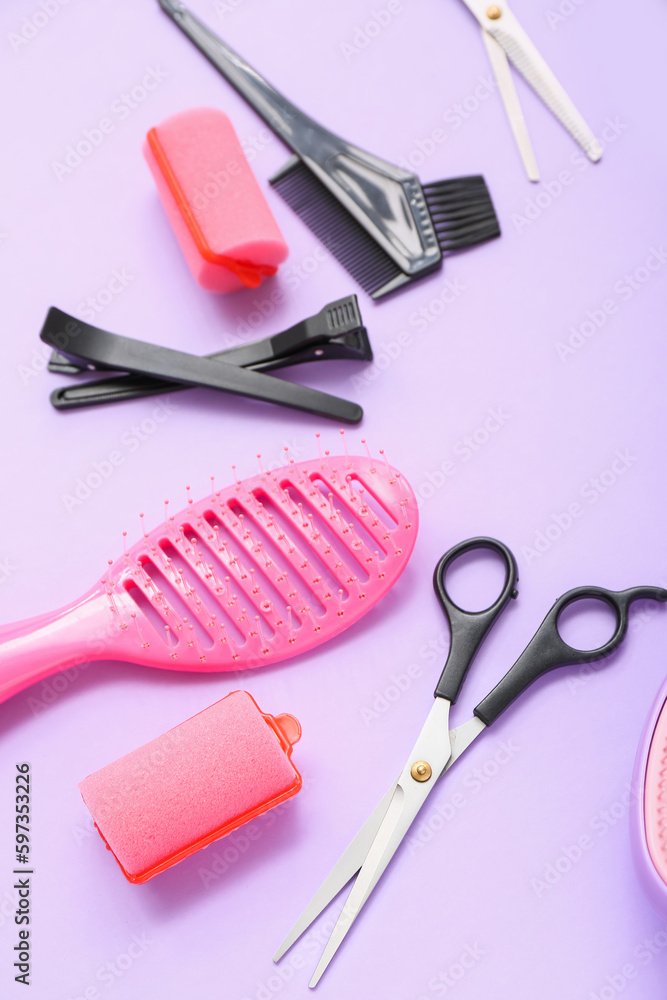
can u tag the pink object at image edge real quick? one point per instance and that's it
(644, 831)
(265, 247)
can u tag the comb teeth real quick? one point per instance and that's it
(461, 211)
(340, 233)
(265, 568)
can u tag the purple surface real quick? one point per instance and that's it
(474, 905)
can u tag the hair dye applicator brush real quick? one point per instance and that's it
(376, 218)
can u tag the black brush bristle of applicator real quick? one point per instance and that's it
(377, 219)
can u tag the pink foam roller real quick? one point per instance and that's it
(192, 785)
(213, 201)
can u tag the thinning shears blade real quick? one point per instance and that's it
(501, 71)
(499, 21)
(433, 747)
(508, 32)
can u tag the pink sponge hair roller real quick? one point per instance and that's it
(192, 785)
(215, 205)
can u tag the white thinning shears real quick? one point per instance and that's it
(503, 36)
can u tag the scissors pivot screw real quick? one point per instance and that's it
(493, 13)
(421, 770)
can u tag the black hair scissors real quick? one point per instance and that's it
(438, 747)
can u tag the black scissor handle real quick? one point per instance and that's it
(547, 650)
(469, 628)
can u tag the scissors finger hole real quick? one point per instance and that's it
(475, 580)
(587, 624)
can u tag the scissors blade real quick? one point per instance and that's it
(508, 32)
(351, 861)
(461, 738)
(510, 99)
(409, 795)
(346, 868)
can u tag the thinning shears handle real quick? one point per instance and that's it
(547, 650)
(469, 628)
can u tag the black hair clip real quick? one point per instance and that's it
(336, 332)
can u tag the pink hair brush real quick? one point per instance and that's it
(649, 814)
(265, 569)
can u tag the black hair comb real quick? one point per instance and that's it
(384, 227)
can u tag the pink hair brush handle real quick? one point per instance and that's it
(252, 574)
(649, 816)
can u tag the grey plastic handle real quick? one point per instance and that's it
(302, 134)
(387, 201)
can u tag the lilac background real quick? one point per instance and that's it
(495, 347)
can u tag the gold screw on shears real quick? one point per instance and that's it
(421, 770)
(493, 13)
